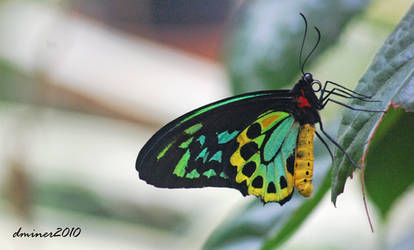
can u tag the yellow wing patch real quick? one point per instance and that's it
(247, 160)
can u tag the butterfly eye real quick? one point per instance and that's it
(308, 77)
(316, 86)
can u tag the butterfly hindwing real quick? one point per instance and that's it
(265, 156)
(218, 144)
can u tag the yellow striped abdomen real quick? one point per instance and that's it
(304, 160)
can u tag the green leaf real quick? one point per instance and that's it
(390, 79)
(389, 168)
(268, 226)
(263, 52)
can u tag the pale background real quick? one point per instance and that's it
(90, 94)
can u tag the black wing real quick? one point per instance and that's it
(194, 150)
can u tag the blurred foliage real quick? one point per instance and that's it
(261, 54)
(16, 86)
(389, 172)
(68, 196)
(268, 226)
(390, 79)
(17, 189)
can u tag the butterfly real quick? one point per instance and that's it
(260, 143)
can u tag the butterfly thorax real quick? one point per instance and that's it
(306, 102)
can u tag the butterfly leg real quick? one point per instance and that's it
(338, 146)
(344, 94)
(325, 93)
(350, 107)
(326, 145)
(346, 89)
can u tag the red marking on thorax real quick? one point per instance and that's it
(302, 101)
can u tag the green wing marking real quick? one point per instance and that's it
(191, 130)
(221, 103)
(216, 157)
(201, 140)
(203, 155)
(225, 137)
(186, 143)
(276, 139)
(162, 153)
(182, 164)
(193, 174)
(209, 173)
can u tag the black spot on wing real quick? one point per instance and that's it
(254, 131)
(248, 150)
(283, 183)
(290, 164)
(249, 169)
(271, 188)
(257, 182)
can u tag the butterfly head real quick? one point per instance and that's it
(310, 83)
(305, 91)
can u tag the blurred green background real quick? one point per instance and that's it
(84, 84)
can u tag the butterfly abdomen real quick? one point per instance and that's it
(303, 170)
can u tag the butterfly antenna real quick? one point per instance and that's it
(303, 43)
(314, 48)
